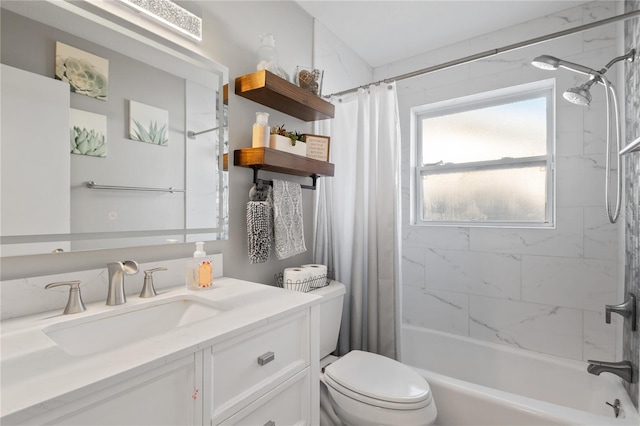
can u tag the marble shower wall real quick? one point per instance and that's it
(538, 289)
(631, 339)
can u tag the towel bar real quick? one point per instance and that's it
(93, 185)
(259, 181)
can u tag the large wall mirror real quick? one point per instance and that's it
(124, 148)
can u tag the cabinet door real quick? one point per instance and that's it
(287, 404)
(168, 395)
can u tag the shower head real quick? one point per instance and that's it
(579, 95)
(547, 62)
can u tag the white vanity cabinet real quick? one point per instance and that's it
(254, 362)
(167, 395)
(264, 377)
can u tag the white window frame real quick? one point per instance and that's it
(483, 100)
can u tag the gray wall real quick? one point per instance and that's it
(231, 38)
(631, 339)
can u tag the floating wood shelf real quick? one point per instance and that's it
(270, 90)
(282, 162)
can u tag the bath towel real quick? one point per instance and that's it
(287, 219)
(259, 224)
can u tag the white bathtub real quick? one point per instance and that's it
(482, 383)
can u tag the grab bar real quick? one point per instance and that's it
(192, 135)
(632, 147)
(92, 185)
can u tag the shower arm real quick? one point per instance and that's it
(629, 56)
(596, 76)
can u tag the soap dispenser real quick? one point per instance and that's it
(199, 270)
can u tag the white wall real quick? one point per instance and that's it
(538, 289)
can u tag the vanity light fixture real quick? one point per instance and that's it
(170, 14)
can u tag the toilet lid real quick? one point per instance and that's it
(379, 377)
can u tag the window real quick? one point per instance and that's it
(486, 160)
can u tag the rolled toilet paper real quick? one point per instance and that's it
(317, 271)
(294, 278)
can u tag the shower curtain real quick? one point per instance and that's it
(357, 217)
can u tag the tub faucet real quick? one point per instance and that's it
(622, 369)
(117, 271)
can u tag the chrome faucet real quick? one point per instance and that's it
(117, 270)
(622, 369)
(148, 290)
(627, 309)
(74, 303)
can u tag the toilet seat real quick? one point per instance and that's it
(378, 381)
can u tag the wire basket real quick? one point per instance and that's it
(307, 285)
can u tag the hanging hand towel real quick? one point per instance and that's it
(287, 219)
(259, 224)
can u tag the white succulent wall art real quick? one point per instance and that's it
(88, 133)
(148, 124)
(87, 74)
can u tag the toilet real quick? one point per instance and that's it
(363, 388)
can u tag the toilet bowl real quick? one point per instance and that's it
(367, 389)
(363, 388)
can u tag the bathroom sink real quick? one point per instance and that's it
(124, 327)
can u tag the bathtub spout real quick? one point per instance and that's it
(622, 369)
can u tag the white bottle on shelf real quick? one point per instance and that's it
(261, 131)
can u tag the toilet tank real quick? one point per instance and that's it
(330, 315)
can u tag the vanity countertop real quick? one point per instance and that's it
(38, 375)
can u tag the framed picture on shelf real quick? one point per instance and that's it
(317, 147)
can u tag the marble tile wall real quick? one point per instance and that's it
(538, 289)
(631, 339)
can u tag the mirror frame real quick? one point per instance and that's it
(101, 26)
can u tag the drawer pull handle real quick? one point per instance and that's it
(266, 358)
(270, 423)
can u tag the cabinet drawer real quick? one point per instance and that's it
(253, 365)
(287, 404)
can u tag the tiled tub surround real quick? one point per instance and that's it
(631, 339)
(27, 296)
(539, 289)
(503, 385)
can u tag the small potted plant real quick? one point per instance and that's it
(283, 140)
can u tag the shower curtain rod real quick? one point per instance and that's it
(494, 52)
